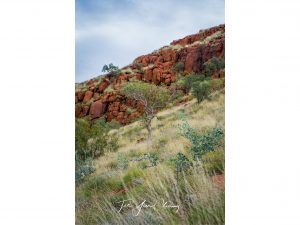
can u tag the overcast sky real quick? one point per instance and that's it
(118, 31)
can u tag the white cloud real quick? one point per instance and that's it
(120, 35)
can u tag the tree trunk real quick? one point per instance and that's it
(149, 129)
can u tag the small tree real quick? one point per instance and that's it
(111, 69)
(200, 90)
(187, 81)
(153, 98)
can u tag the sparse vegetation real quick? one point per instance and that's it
(122, 175)
(111, 69)
(178, 67)
(214, 64)
(187, 82)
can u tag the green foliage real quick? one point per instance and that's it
(111, 69)
(92, 140)
(155, 96)
(213, 162)
(201, 90)
(178, 67)
(82, 134)
(187, 82)
(181, 162)
(153, 158)
(214, 64)
(201, 143)
(129, 110)
(83, 168)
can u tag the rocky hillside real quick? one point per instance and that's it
(101, 96)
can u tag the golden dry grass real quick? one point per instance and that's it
(95, 200)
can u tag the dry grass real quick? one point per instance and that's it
(199, 200)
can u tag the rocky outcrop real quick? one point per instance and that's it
(98, 108)
(101, 97)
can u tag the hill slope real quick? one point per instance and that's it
(101, 96)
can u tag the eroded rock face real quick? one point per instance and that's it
(157, 67)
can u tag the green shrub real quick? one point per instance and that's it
(201, 90)
(83, 168)
(181, 163)
(213, 162)
(178, 67)
(201, 143)
(82, 134)
(212, 65)
(153, 158)
(187, 82)
(92, 140)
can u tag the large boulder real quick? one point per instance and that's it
(97, 109)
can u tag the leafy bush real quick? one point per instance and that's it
(178, 67)
(83, 168)
(181, 163)
(214, 64)
(187, 82)
(92, 140)
(213, 162)
(201, 90)
(154, 98)
(201, 143)
(153, 158)
(82, 134)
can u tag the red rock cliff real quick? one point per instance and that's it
(101, 96)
